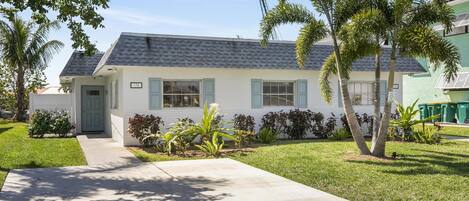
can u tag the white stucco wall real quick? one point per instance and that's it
(232, 93)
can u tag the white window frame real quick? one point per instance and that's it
(288, 81)
(370, 94)
(199, 81)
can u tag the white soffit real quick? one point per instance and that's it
(461, 81)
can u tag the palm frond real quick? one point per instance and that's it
(283, 13)
(327, 70)
(311, 33)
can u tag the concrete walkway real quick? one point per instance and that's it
(215, 179)
(100, 149)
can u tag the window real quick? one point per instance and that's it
(278, 93)
(181, 93)
(361, 92)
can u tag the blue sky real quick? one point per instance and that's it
(227, 18)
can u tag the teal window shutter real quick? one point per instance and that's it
(339, 94)
(302, 93)
(155, 93)
(208, 85)
(256, 93)
(382, 91)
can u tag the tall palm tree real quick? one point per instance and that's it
(26, 51)
(336, 12)
(406, 24)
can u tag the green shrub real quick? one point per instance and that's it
(426, 136)
(145, 128)
(406, 119)
(41, 123)
(177, 138)
(340, 134)
(61, 124)
(244, 129)
(299, 123)
(266, 136)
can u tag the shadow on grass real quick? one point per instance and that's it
(2, 130)
(426, 163)
(104, 181)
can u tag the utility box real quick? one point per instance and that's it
(462, 113)
(448, 112)
(435, 109)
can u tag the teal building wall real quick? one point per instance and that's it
(422, 86)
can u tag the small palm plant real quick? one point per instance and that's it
(407, 119)
(213, 147)
(209, 125)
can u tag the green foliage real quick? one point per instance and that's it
(426, 136)
(214, 146)
(45, 122)
(211, 122)
(243, 129)
(61, 124)
(340, 134)
(300, 122)
(146, 128)
(266, 136)
(40, 123)
(276, 121)
(177, 138)
(407, 118)
(25, 53)
(75, 13)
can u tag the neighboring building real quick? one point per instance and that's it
(50, 90)
(173, 76)
(430, 86)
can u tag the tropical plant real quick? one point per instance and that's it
(340, 134)
(266, 136)
(336, 14)
(329, 126)
(177, 138)
(146, 128)
(25, 52)
(214, 146)
(426, 136)
(75, 13)
(243, 129)
(276, 121)
(318, 128)
(210, 124)
(407, 119)
(299, 123)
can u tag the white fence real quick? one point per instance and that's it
(50, 102)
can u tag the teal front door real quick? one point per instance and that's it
(92, 108)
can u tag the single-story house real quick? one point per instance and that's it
(173, 76)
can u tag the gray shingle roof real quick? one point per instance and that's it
(81, 65)
(132, 49)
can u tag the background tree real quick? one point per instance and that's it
(75, 13)
(25, 52)
(337, 13)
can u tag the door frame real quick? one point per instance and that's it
(82, 88)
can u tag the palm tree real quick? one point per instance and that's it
(336, 13)
(25, 50)
(407, 26)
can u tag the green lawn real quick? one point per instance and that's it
(422, 172)
(454, 131)
(17, 150)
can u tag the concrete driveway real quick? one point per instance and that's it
(211, 179)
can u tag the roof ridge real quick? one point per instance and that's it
(208, 38)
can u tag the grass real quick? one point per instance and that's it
(17, 150)
(421, 172)
(454, 131)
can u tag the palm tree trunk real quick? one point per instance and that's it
(347, 103)
(378, 148)
(376, 99)
(19, 113)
